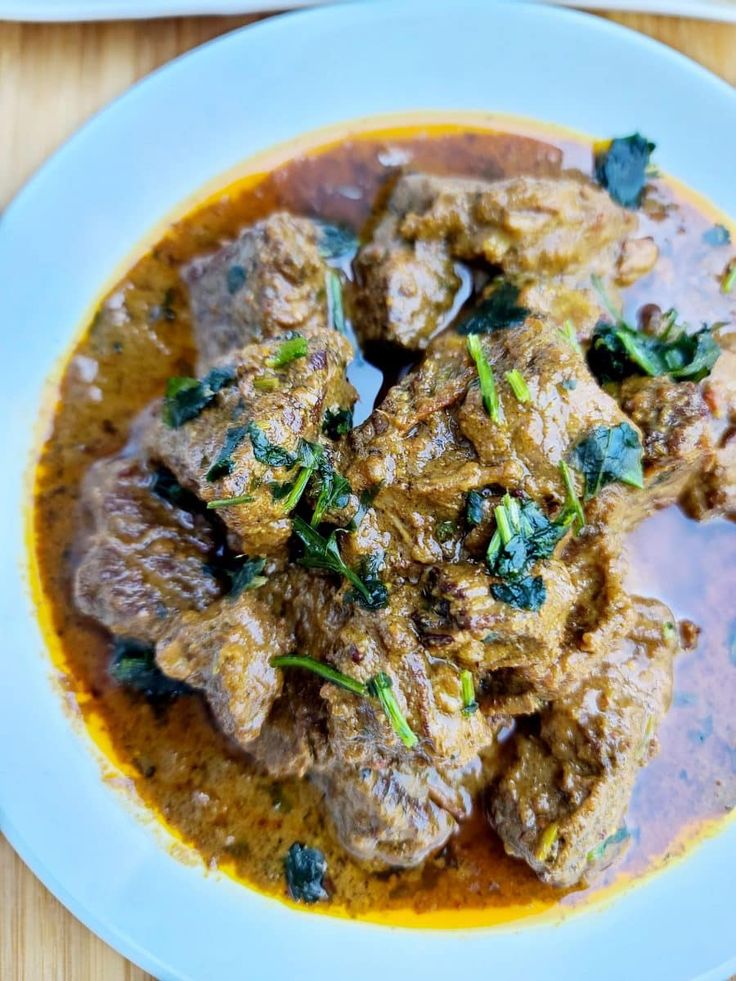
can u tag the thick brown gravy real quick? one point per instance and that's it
(183, 768)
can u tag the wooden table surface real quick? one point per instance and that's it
(52, 78)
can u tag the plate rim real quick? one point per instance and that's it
(123, 942)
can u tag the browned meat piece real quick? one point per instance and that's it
(712, 491)
(674, 420)
(142, 559)
(269, 280)
(226, 651)
(389, 813)
(538, 225)
(562, 800)
(406, 290)
(292, 411)
(431, 440)
(564, 229)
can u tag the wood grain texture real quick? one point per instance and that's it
(52, 78)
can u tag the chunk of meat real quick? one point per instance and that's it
(226, 652)
(291, 412)
(563, 798)
(562, 230)
(431, 440)
(271, 279)
(142, 559)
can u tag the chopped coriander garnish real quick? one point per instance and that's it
(485, 376)
(323, 553)
(619, 350)
(334, 296)
(305, 869)
(518, 386)
(334, 492)
(228, 502)
(474, 508)
(622, 168)
(267, 452)
(235, 279)
(265, 383)
(445, 531)
(523, 536)
(381, 687)
(470, 706)
(337, 422)
(547, 840)
(569, 334)
(717, 235)
(322, 669)
(246, 575)
(134, 666)
(572, 510)
(497, 311)
(185, 398)
(729, 277)
(336, 241)
(291, 349)
(528, 593)
(296, 489)
(609, 454)
(225, 464)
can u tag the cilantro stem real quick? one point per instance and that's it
(503, 524)
(227, 502)
(468, 688)
(323, 670)
(569, 334)
(518, 386)
(290, 350)
(729, 277)
(485, 377)
(381, 687)
(292, 498)
(334, 294)
(573, 508)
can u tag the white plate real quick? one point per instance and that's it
(70, 232)
(58, 10)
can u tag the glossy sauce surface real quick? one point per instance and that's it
(204, 788)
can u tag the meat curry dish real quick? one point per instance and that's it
(413, 651)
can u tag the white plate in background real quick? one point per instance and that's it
(67, 235)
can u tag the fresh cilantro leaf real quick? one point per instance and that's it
(523, 536)
(225, 464)
(289, 350)
(622, 168)
(609, 454)
(235, 279)
(497, 311)
(717, 235)
(617, 352)
(474, 508)
(323, 553)
(267, 452)
(165, 485)
(524, 594)
(134, 666)
(246, 574)
(336, 241)
(305, 870)
(334, 492)
(186, 397)
(337, 422)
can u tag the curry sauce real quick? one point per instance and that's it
(200, 784)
